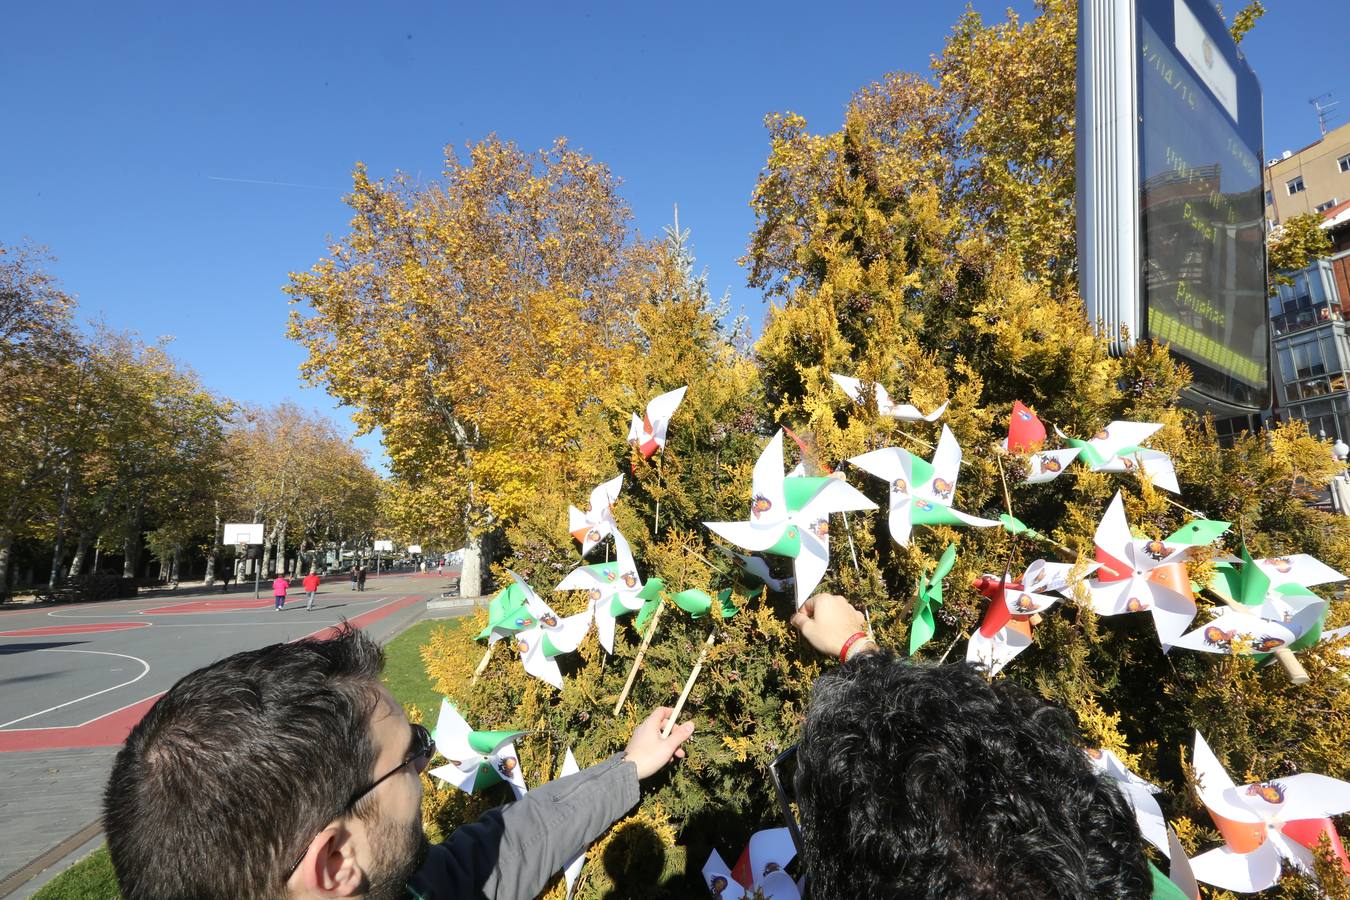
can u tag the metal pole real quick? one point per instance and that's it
(257, 575)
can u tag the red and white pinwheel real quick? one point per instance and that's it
(597, 523)
(885, 405)
(1141, 576)
(1265, 825)
(1013, 608)
(649, 432)
(760, 868)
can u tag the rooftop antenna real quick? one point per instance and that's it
(1324, 106)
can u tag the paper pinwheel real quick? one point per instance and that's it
(1265, 823)
(790, 516)
(885, 406)
(549, 637)
(478, 759)
(1138, 793)
(1116, 449)
(1006, 629)
(1179, 882)
(1143, 576)
(573, 867)
(1276, 589)
(760, 868)
(699, 603)
(649, 432)
(1026, 432)
(508, 612)
(594, 525)
(614, 589)
(930, 592)
(921, 491)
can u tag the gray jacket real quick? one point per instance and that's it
(512, 851)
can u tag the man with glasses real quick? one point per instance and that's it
(927, 781)
(291, 771)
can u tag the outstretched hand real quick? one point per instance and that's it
(648, 750)
(827, 621)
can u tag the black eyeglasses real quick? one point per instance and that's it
(420, 751)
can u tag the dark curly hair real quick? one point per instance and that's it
(926, 781)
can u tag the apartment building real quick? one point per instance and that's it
(1314, 179)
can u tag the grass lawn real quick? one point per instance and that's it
(92, 878)
(404, 674)
(89, 879)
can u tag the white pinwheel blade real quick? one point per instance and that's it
(835, 497)
(1159, 469)
(452, 733)
(1042, 576)
(850, 386)
(529, 644)
(748, 535)
(576, 520)
(604, 624)
(888, 464)
(570, 631)
(1245, 873)
(1180, 872)
(973, 521)
(507, 763)
(1173, 613)
(604, 496)
(937, 413)
(1148, 814)
(993, 653)
(1047, 465)
(635, 429)
(1119, 435)
(623, 555)
(810, 565)
(579, 579)
(767, 504)
(1297, 568)
(778, 886)
(1216, 788)
(770, 851)
(1306, 796)
(1232, 630)
(899, 521)
(717, 876)
(660, 410)
(573, 867)
(1026, 603)
(1113, 535)
(1112, 598)
(946, 467)
(462, 776)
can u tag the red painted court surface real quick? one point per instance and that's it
(93, 628)
(71, 683)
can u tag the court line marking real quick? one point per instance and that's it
(144, 672)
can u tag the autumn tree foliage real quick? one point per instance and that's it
(926, 244)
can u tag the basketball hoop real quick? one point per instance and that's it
(240, 549)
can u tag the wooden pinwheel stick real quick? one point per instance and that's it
(909, 437)
(1007, 498)
(661, 487)
(688, 685)
(637, 660)
(482, 664)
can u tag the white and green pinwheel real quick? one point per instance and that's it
(549, 637)
(595, 524)
(921, 491)
(1116, 448)
(905, 412)
(477, 759)
(790, 516)
(614, 589)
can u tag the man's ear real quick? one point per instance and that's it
(329, 867)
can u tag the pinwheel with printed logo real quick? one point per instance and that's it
(790, 516)
(1143, 575)
(648, 433)
(597, 523)
(921, 491)
(1013, 609)
(1116, 448)
(1265, 825)
(613, 589)
(550, 637)
(760, 868)
(477, 759)
(885, 405)
(1276, 590)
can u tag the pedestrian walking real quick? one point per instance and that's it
(356, 575)
(311, 586)
(440, 567)
(279, 591)
(361, 578)
(226, 577)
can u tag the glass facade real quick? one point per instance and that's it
(1312, 352)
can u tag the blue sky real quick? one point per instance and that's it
(137, 133)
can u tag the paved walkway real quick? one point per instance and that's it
(75, 678)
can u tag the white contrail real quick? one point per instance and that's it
(312, 187)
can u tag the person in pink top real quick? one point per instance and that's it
(279, 591)
(311, 585)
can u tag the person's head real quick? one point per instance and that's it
(926, 781)
(252, 763)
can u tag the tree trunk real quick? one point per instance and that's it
(471, 571)
(132, 557)
(59, 549)
(214, 553)
(81, 551)
(281, 551)
(6, 539)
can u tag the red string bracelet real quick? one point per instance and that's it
(848, 645)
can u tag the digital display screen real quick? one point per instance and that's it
(1202, 236)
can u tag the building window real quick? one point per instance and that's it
(1270, 199)
(1323, 207)
(1294, 185)
(1344, 163)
